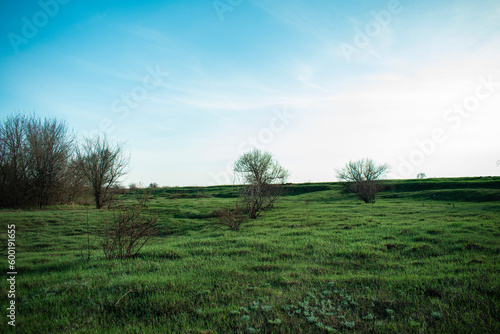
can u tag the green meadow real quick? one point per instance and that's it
(423, 259)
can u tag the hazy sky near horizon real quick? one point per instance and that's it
(191, 85)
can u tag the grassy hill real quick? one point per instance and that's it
(423, 259)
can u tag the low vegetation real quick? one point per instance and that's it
(262, 178)
(422, 259)
(232, 218)
(363, 178)
(127, 232)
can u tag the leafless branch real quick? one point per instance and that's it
(362, 177)
(262, 178)
(102, 164)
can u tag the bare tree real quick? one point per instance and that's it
(50, 149)
(362, 177)
(34, 160)
(102, 164)
(262, 178)
(75, 182)
(14, 161)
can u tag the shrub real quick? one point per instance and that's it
(127, 233)
(101, 163)
(362, 177)
(143, 198)
(230, 218)
(263, 178)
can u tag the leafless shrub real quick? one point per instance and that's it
(362, 177)
(102, 164)
(153, 185)
(263, 179)
(143, 198)
(127, 233)
(232, 218)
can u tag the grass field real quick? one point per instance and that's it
(423, 259)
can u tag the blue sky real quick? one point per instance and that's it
(191, 85)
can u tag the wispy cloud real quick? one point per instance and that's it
(226, 79)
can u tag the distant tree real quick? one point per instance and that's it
(102, 164)
(153, 185)
(262, 178)
(362, 177)
(421, 176)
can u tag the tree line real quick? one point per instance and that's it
(42, 164)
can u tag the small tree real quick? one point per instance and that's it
(102, 164)
(421, 176)
(362, 177)
(262, 178)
